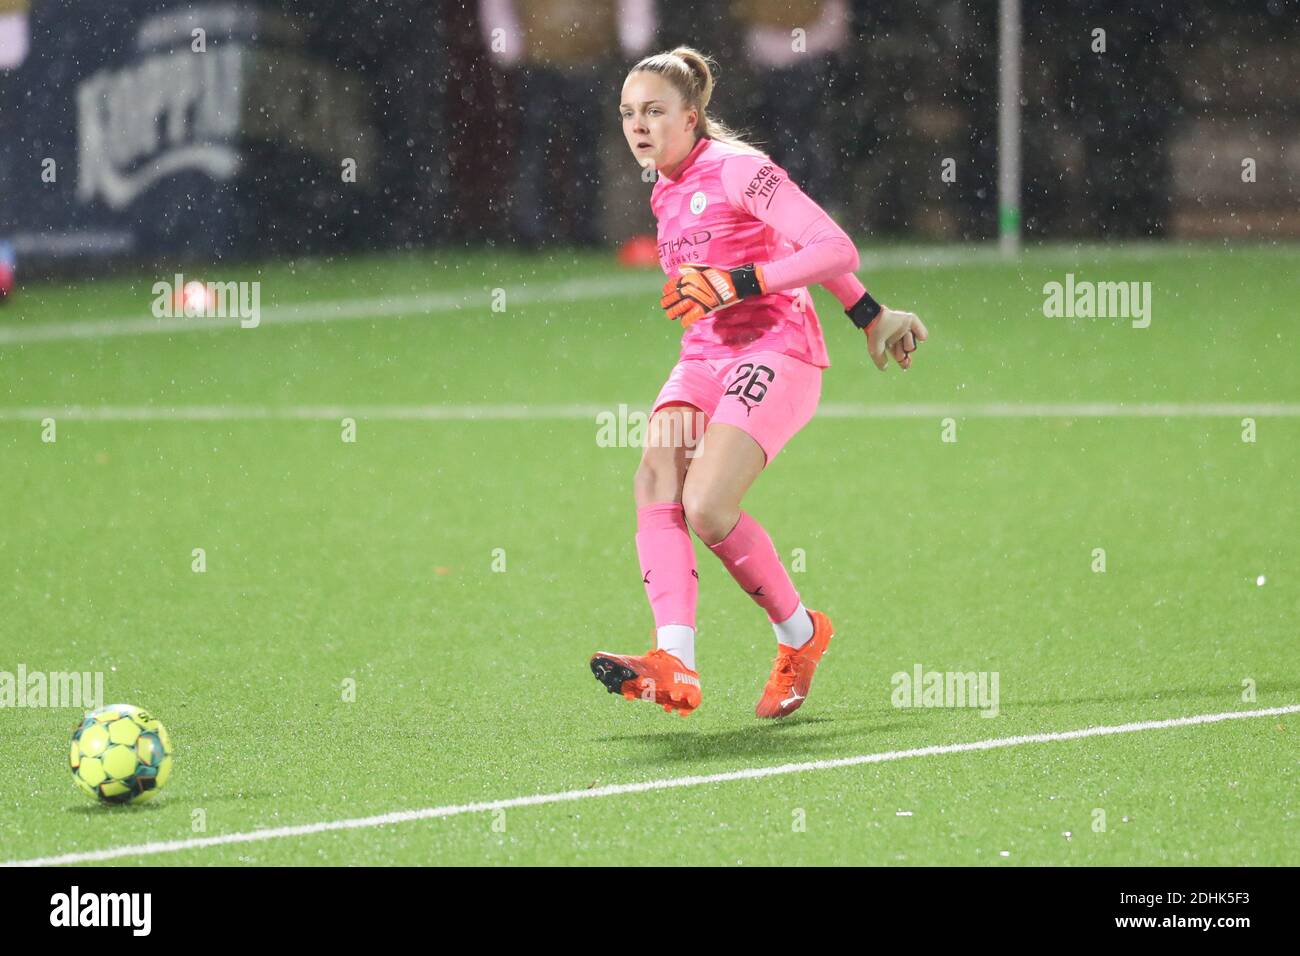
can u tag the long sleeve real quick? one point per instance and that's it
(825, 252)
(846, 288)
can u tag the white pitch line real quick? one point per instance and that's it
(583, 412)
(1049, 254)
(235, 413)
(1063, 410)
(478, 301)
(613, 790)
(643, 282)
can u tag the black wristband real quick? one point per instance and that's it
(745, 279)
(864, 311)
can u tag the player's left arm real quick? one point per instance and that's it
(824, 254)
(888, 331)
(759, 187)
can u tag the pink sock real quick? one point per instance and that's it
(749, 555)
(667, 563)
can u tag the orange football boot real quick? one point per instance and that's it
(793, 670)
(658, 676)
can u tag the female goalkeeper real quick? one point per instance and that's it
(739, 243)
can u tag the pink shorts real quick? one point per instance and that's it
(767, 395)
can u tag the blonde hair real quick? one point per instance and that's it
(691, 74)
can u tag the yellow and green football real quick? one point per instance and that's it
(121, 754)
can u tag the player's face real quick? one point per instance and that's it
(658, 126)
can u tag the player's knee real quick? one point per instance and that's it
(709, 517)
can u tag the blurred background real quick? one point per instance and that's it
(152, 130)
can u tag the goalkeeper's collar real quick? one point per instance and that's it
(700, 146)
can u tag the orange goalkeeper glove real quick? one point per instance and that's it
(702, 289)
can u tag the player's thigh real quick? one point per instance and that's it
(672, 437)
(727, 464)
(680, 415)
(768, 398)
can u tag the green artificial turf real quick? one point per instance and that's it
(378, 562)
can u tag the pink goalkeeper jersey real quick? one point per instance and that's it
(728, 207)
